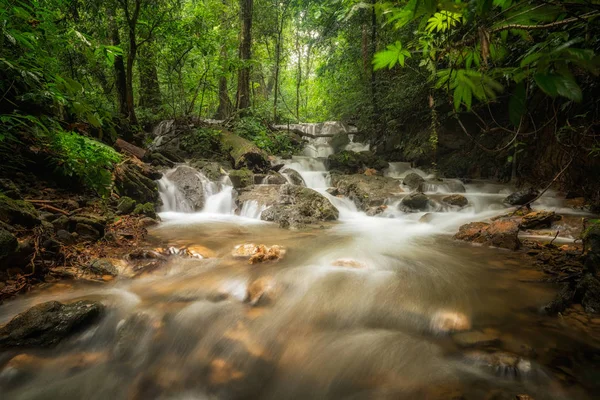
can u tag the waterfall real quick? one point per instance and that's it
(252, 209)
(219, 198)
(171, 197)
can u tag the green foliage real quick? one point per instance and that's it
(253, 129)
(87, 160)
(394, 54)
(204, 142)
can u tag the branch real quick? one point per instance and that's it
(545, 26)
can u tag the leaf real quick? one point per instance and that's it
(393, 55)
(517, 104)
(554, 85)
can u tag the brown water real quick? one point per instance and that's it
(322, 331)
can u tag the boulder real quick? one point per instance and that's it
(87, 232)
(500, 233)
(294, 177)
(9, 189)
(298, 206)
(125, 206)
(8, 244)
(415, 202)
(456, 200)
(48, 323)
(102, 266)
(350, 162)
(366, 191)
(373, 211)
(241, 178)
(89, 226)
(214, 171)
(339, 141)
(413, 181)
(190, 183)
(521, 197)
(264, 195)
(146, 209)
(136, 180)
(539, 219)
(18, 212)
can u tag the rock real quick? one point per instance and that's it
(339, 141)
(373, 211)
(298, 206)
(61, 223)
(415, 202)
(475, 339)
(136, 180)
(102, 266)
(272, 178)
(261, 291)
(500, 363)
(365, 190)
(147, 221)
(348, 263)
(426, 218)
(241, 178)
(264, 195)
(521, 197)
(258, 253)
(190, 183)
(588, 289)
(500, 233)
(449, 321)
(294, 177)
(18, 212)
(87, 232)
(8, 244)
(456, 200)
(413, 181)
(539, 219)
(48, 323)
(126, 205)
(244, 250)
(145, 209)
(350, 162)
(8, 188)
(64, 237)
(212, 170)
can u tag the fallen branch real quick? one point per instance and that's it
(51, 208)
(555, 236)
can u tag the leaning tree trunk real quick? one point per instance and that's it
(120, 76)
(149, 86)
(130, 61)
(243, 89)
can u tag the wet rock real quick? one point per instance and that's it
(426, 218)
(190, 183)
(415, 202)
(373, 211)
(264, 195)
(348, 263)
(298, 206)
(475, 339)
(87, 232)
(261, 291)
(48, 323)
(102, 266)
(65, 237)
(212, 170)
(136, 180)
(449, 321)
(339, 141)
(125, 206)
(147, 222)
(350, 162)
(500, 233)
(18, 212)
(413, 181)
(502, 364)
(456, 200)
(438, 185)
(258, 253)
(539, 219)
(241, 178)
(364, 190)
(294, 177)
(521, 197)
(145, 209)
(272, 178)
(8, 244)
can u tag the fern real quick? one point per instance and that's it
(394, 54)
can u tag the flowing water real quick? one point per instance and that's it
(355, 309)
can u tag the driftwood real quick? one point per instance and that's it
(127, 147)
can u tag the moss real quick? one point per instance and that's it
(241, 178)
(146, 209)
(8, 243)
(17, 212)
(126, 205)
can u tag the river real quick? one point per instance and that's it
(355, 309)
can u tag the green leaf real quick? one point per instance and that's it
(517, 104)
(554, 85)
(393, 55)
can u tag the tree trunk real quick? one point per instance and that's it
(129, 94)
(149, 86)
(375, 115)
(225, 106)
(276, 82)
(243, 89)
(120, 76)
(299, 75)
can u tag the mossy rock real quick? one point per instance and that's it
(146, 209)
(241, 178)
(18, 212)
(126, 205)
(350, 162)
(8, 244)
(130, 181)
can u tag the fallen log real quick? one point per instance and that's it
(244, 153)
(132, 149)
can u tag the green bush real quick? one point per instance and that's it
(253, 129)
(203, 141)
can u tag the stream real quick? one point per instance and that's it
(355, 309)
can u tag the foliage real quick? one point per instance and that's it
(203, 142)
(253, 129)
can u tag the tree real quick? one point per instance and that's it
(245, 53)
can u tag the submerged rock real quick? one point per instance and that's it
(48, 323)
(502, 364)
(261, 291)
(500, 233)
(449, 321)
(294, 177)
(298, 206)
(539, 219)
(102, 266)
(456, 200)
(475, 338)
(521, 197)
(365, 190)
(415, 202)
(413, 181)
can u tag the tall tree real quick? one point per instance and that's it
(119, 65)
(245, 54)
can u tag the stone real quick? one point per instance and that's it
(521, 197)
(456, 200)
(8, 244)
(501, 363)
(261, 291)
(102, 266)
(61, 223)
(339, 141)
(449, 321)
(125, 206)
(589, 291)
(413, 181)
(65, 237)
(190, 183)
(258, 253)
(18, 212)
(146, 209)
(500, 233)
(87, 232)
(8, 188)
(348, 263)
(366, 191)
(426, 218)
(264, 195)
(47, 324)
(539, 219)
(136, 180)
(373, 211)
(272, 178)
(241, 178)
(475, 339)
(415, 202)
(147, 222)
(294, 177)
(298, 207)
